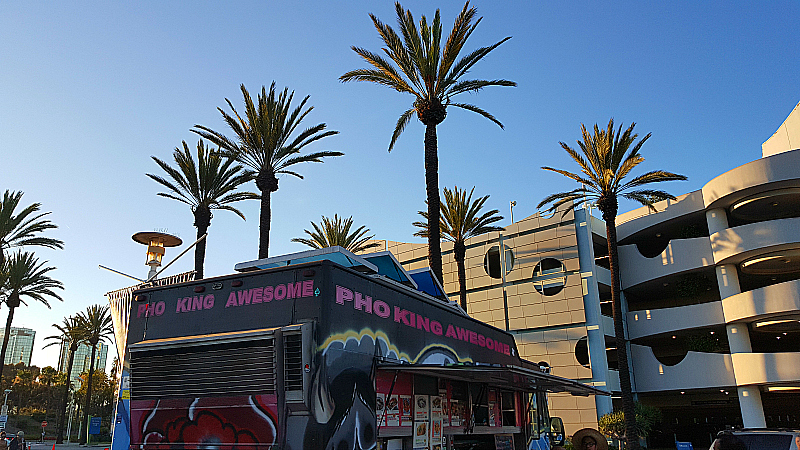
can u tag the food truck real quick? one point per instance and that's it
(325, 350)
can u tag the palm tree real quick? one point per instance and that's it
(336, 231)
(433, 75)
(23, 228)
(69, 331)
(265, 144)
(209, 184)
(461, 218)
(22, 275)
(604, 166)
(97, 326)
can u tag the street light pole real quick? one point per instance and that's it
(513, 204)
(4, 411)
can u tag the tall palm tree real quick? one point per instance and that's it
(97, 326)
(21, 276)
(336, 231)
(24, 227)
(604, 167)
(209, 184)
(433, 75)
(461, 218)
(69, 331)
(264, 143)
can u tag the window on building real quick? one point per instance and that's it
(492, 264)
(549, 276)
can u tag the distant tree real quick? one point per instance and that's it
(205, 185)
(70, 331)
(23, 227)
(604, 166)
(23, 276)
(613, 424)
(336, 231)
(103, 393)
(47, 376)
(22, 386)
(97, 326)
(264, 143)
(418, 65)
(461, 218)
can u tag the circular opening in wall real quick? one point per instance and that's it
(549, 276)
(582, 351)
(492, 263)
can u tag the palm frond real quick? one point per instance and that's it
(476, 85)
(23, 227)
(402, 121)
(478, 110)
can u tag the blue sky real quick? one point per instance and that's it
(90, 90)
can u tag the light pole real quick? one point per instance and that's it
(155, 242)
(513, 204)
(4, 411)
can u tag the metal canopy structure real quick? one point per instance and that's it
(389, 266)
(335, 254)
(504, 377)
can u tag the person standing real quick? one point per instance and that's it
(18, 443)
(3, 442)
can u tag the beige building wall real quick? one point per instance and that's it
(546, 327)
(786, 138)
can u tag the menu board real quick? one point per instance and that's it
(406, 410)
(421, 434)
(421, 408)
(380, 410)
(393, 411)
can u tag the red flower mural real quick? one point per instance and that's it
(243, 423)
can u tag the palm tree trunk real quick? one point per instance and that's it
(85, 431)
(432, 191)
(628, 408)
(60, 436)
(264, 224)
(5, 341)
(460, 252)
(202, 220)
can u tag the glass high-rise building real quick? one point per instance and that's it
(82, 360)
(20, 345)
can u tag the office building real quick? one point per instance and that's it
(82, 360)
(20, 345)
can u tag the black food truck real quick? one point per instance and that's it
(338, 352)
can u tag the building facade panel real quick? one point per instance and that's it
(658, 321)
(768, 301)
(765, 368)
(762, 174)
(680, 255)
(696, 371)
(733, 245)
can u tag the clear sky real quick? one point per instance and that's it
(90, 90)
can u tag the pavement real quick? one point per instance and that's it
(48, 445)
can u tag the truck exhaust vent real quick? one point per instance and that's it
(293, 361)
(216, 370)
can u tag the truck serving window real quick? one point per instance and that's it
(225, 369)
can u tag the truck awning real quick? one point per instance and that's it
(505, 377)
